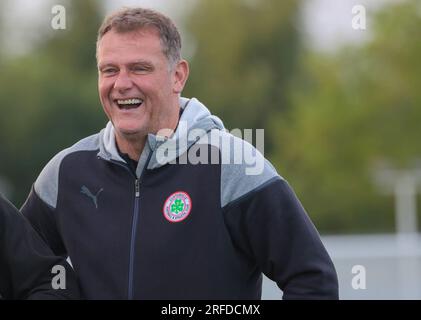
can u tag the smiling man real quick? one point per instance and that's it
(140, 225)
(139, 85)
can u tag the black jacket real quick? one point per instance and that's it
(26, 262)
(176, 229)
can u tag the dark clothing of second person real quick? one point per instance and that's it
(26, 262)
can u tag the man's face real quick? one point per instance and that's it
(137, 89)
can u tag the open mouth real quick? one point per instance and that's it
(127, 104)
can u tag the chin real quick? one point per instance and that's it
(131, 131)
(128, 131)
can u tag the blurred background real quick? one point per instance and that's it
(339, 98)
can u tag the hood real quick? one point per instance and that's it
(195, 122)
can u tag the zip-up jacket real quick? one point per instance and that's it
(26, 263)
(195, 220)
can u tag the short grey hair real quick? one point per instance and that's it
(133, 19)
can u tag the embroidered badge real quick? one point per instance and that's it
(177, 207)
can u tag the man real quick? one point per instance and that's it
(141, 219)
(26, 263)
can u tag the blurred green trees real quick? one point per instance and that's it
(351, 112)
(330, 119)
(245, 52)
(48, 97)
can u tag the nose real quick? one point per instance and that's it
(123, 82)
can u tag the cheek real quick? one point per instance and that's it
(104, 89)
(156, 85)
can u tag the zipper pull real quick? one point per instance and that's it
(137, 188)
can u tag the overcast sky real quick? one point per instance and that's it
(327, 23)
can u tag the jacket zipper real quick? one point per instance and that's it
(134, 228)
(133, 238)
(134, 224)
(136, 211)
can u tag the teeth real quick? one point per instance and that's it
(130, 101)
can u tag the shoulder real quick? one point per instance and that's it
(244, 168)
(46, 184)
(8, 212)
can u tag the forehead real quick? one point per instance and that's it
(144, 43)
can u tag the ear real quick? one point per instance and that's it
(181, 73)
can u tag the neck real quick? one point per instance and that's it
(132, 146)
(170, 127)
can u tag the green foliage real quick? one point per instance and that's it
(352, 111)
(245, 54)
(48, 97)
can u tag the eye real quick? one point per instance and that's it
(108, 71)
(141, 69)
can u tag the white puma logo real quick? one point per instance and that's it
(84, 190)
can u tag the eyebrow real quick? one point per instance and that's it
(130, 64)
(103, 65)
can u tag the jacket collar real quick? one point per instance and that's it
(195, 116)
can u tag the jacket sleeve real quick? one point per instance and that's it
(270, 226)
(43, 220)
(26, 262)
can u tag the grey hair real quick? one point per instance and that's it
(133, 19)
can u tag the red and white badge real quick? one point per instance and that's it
(177, 207)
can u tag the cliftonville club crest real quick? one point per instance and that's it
(177, 207)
